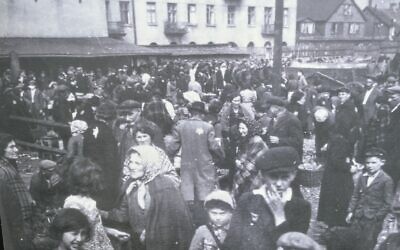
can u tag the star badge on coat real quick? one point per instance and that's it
(199, 131)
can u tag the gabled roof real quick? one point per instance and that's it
(381, 15)
(319, 10)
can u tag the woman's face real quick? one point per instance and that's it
(11, 151)
(243, 130)
(135, 167)
(143, 138)
(73, 240)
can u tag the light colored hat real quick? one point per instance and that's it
(47, 164)
(220, 195)
(191, 96)
(78, 126)
(296, 240)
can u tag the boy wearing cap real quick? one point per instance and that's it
(371, 200)
(264, 214)
(219, 206)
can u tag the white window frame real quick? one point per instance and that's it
(231, 12)
(210, 15)
(124, 12)
(151, 10)
(286, 17)
(251, 16)
(191, 14)
(354, 28)
(172, 11)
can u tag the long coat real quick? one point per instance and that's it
(103, 150)
(16, 208)
(369, 108)
(168, 224)
(392, 145)
(196, 138)
(253, 225)
(337, 183)
(289, 131)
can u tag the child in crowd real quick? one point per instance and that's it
(219, 206)
(70, 229)
(75, 143)
(371, 200)
(264, 214)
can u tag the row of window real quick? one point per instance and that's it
(211, 14)
(335, 28)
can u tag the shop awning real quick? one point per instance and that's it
(72, 47)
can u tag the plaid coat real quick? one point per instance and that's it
(16, 207)
(246, 172)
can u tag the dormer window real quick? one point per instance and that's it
(347, 10)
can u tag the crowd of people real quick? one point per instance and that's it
(198, 155)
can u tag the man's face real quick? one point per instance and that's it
(373, 164)
(132, 116)
(236, 101)
(391, 81)
(369, 83)
(243, 130)
(279, 181)
(343, 96)
(219, 217)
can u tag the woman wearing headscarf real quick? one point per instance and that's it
(143, 137)
(152, 204)
(16, 203)
(249, 147)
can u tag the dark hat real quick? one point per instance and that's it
(279, 159)
(394, 90)
(296, 240)
(375, 152)
(372, 77)
(197, 106)
(273, 100)
(129, 105)
(47, 165)
(344, 89)
(106, 110)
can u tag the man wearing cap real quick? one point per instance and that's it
(196, 138)
(264, 214)
(129, 114)
(371, 200)
(46, 186)
(285, 128)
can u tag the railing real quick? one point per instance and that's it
(268, 29)
(116, 29)
(175, 29)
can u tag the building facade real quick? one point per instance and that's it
(50, 18)
(245, 23)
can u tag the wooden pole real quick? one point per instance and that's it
(40, 147)
(39, 122)
(277, 63)
(14, 66)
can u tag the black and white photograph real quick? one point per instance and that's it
(200, 124)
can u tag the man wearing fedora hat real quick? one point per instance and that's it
(197, 140)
